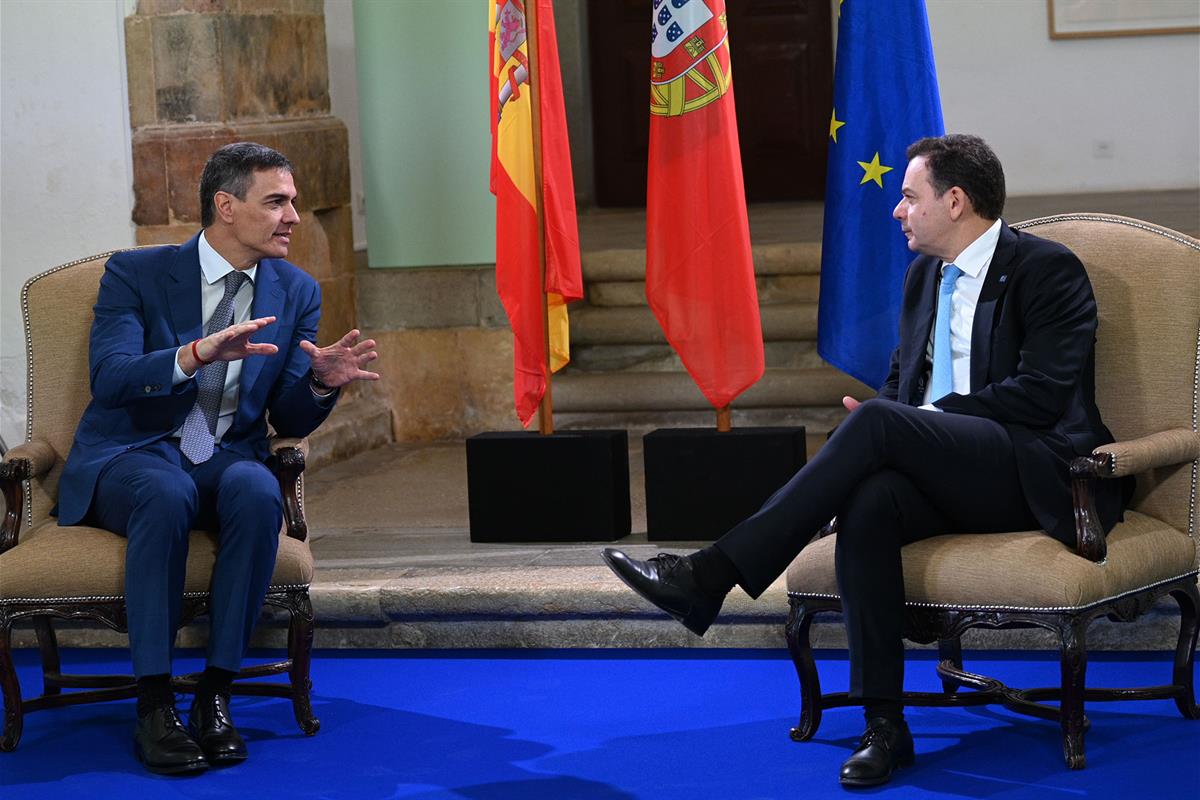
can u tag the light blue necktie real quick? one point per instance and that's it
(198, 436)
(942, 380)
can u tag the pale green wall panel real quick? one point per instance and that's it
(423, 105)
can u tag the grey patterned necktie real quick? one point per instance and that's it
(198, 435)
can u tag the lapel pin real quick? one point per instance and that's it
(1003, 278)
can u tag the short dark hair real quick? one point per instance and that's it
(231, 169)
(965, 161)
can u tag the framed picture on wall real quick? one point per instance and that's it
(1089, 19)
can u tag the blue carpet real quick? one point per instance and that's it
(604, 725)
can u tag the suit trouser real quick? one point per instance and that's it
(892, 474)
(154, 496)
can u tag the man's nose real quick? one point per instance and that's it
(291, 216)
(898, 211)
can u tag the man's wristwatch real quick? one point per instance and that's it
(319, 386)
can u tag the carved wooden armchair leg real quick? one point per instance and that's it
(51, 665)
(300, 640)
(951, 650)
(797, 630)
(13, 713)
(1185, 651)
(1073, 635)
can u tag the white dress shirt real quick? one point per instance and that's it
(974, 262)
(213, 269)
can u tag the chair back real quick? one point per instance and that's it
(57, 310)
(1147, 284)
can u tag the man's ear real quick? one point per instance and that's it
(957, 202)
(223, 204)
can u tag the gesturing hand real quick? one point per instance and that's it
(343, 361)
(233, 343)
(850, 403)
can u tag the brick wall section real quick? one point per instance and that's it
(204, 73)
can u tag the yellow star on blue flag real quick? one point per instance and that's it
(863, 253)
(834, 124)
(874, 170)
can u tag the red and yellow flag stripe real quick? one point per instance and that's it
(535, 196)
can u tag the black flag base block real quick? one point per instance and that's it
(701, 482)
(570, 486)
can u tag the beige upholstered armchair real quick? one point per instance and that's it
(48, 572)
(1147, 284)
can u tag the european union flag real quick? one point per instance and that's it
(885, 94)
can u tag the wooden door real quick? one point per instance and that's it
(782, 57)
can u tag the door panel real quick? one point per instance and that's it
(783, 83)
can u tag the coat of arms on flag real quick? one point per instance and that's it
(689, 56)
(510, 35)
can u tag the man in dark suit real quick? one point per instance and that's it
(176, 433)
(990, 395)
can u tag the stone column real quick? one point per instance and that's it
(204, 73)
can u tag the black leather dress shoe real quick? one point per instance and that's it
(667, 581)
(884, 746)
(210, 723)
(163, 744)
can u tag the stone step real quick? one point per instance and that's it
(578, 604)
(625, 392)
(637, 325)
(774, 258)
(662, 358)
(772, 289)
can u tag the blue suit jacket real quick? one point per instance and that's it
(148, 306)
(1032, 368)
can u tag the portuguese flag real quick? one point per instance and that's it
(699, 271)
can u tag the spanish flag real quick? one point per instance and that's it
(535, 193)
(699, 269)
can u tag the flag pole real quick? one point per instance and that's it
(546, 406)
(724, 419)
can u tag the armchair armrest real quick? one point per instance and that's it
(287, 462)
(25, 461)
(1162, 449)
(1116, 460)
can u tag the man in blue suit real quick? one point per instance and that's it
(175, 436)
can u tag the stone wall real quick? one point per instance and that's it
(204, 73)
(445, 347)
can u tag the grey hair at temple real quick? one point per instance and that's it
(231, 169)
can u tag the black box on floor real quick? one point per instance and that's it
(700, 483)
(571, 486)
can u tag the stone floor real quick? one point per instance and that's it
(396, 567)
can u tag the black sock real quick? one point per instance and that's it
(714, 572)
(154, 691)
(891, 710)
(215, 680)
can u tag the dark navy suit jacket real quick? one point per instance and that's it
(1032, 368)
(148, 306)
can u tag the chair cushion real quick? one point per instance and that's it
(1026, 570)
(79, 562)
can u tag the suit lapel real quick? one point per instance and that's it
(994, 286)
(268, 302)
(182, 284)
(919, 333)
